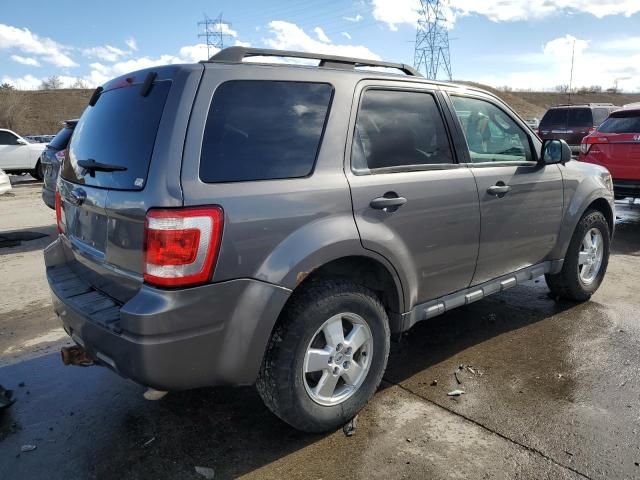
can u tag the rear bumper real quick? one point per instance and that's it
(215, 334)
(626, 188)
(49, 197)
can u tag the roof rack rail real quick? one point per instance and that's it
(237, 54)
(584, 104)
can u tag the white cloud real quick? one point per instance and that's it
(25, 60)
(346, 35)
(27, 82)
(288, 36)
(195, 53)
(593, 65)
(321, 35)
(223, 28)
(398, 12)
(242, 44)
(48, 50)
(131, 43)
(355, 19)
(631, 44)
(107, 53)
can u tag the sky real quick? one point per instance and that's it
(523, 44)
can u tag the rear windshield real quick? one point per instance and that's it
(623, 122)
(119, 130)
(568, 117)
(61, 140)
(260, 130)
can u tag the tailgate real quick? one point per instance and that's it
(121, 162)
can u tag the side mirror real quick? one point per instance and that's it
(21, 141)
(555, 151)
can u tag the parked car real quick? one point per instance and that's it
(18, 156)
(572, 122)
(534, 123)
(5, 182)
(51, 160)
(616, 146)
(236, 223)
(39, 138)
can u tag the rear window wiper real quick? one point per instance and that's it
(92, 166)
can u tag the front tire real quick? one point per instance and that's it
(586, 261)
(326, 356)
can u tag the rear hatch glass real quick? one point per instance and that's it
(119, 130)
(61, 140)
(621, 122)
(567, 117)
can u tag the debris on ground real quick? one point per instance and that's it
(5, 398)
(349, 428)
(434, 383)
(149, 442)
(456, 393)
(27, 448)
(408, 440)
(455, 374)
(206, 472)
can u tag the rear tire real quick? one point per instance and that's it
(317, 381)
(37, 172)
(584, 266)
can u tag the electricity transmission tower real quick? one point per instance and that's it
(214, 31)
(432, 40)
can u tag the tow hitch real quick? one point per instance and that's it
(75, 355)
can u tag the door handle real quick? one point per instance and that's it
(390, 202)
(499, 189)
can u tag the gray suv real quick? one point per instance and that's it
(232, 222)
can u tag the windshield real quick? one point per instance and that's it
(61, 140)
(119, 130)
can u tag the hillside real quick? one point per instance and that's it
(41, 111)
(535, 104)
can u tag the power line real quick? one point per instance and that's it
(431, 53)
(214, 32)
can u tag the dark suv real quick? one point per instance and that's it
(237, 223)
(572, 123)
(51, 159)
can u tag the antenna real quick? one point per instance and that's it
(214, 31)
(573, 52)
(432, 40)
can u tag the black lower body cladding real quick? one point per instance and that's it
(214, 334)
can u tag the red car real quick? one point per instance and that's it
(616, 145)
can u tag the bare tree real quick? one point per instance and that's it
(51, 83)
(6, 86)
(80, 83)
(12, 108)
(564, 88)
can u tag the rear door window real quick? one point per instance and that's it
(599, 115)
(397, 129)
(262, 130)
(580, 117)
(554, 117)
(119, 130)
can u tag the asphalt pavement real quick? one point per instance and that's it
(552, 390)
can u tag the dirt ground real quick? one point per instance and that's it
(552, 391)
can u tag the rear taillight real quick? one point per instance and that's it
(181, 245)
(60, 155)
(588, 142)
(59, 213)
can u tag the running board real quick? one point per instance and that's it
(433, 308)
